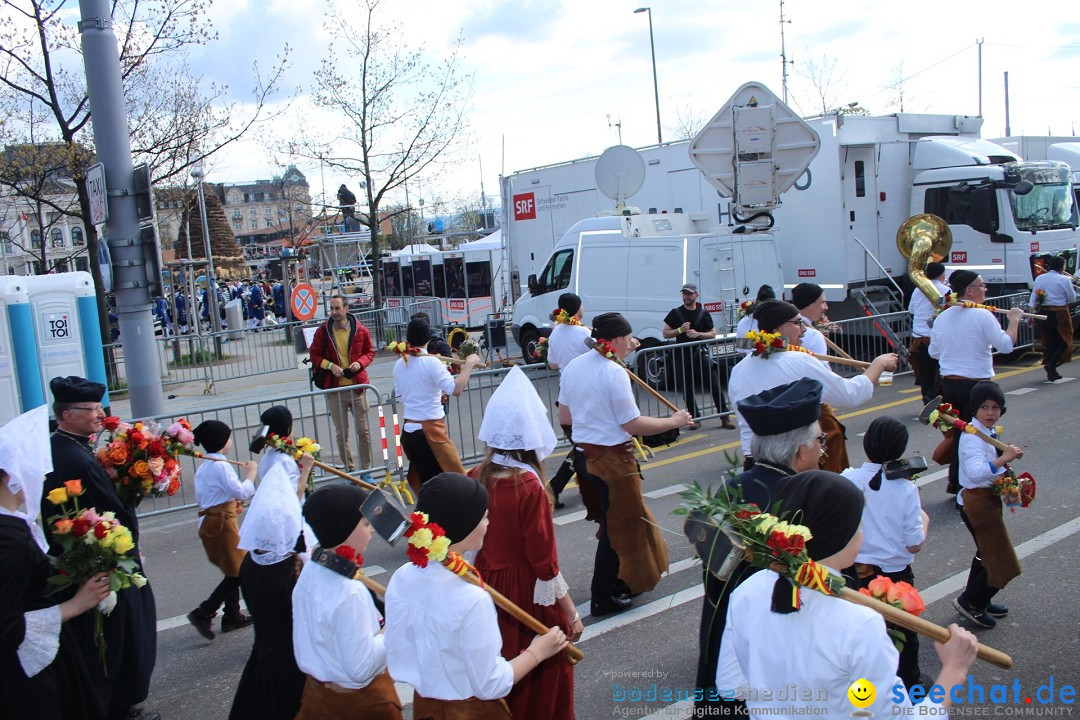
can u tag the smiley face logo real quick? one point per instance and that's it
(862, 693)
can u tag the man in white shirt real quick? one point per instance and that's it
(1051, 295)
(753, 374)
(746, 322)
(420, 381)
(810, 299)
(596, 398)
(566, 342)
(927, 373)
(963, 340)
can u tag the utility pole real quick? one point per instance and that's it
(1008, 125)
(979, 42)
(113, 146)
(784, 62)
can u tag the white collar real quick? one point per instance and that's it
(507, 461)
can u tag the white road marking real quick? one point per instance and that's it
(1022, 391)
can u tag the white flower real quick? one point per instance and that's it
(106, 606)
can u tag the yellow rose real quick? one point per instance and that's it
(58, 496)
(123, 543)
(766, 522)
(800, 530)
(440, 546)
(421, 538)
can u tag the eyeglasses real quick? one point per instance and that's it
(822, 438)
(92, 408)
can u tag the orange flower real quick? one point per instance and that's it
(62, 526)
(117, 453)
(879, 586)
(141, 469)
(74, 487)
(912, 602)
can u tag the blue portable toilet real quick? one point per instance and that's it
(15, 315)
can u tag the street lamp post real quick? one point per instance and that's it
(656, 85)
(211, 279)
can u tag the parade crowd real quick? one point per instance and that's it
(329, 643)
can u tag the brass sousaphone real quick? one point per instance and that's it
(923, 239)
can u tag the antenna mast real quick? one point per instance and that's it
(784, 62)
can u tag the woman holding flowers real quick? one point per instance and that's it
(38, 656)
(123, 683)
(520, 558)
(776, 636)
(442, 633)
(981, 471)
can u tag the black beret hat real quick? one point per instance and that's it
(73, 389)
(805, 294)
(610, 325)
(986, 390)
(771, 314)
(570, 302)
(334, 512)
(783, 408)
(212, 435)
(960, 279)
(418, 332)
(455, 502)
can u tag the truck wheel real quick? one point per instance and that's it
(529, 339)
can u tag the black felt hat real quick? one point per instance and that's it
(783, 408)
(73, 389)
(212, 435)
(334, 512)
(986, 390)
(960, 279)
(455, 502)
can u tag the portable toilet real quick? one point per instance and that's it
(14, 322)
(67, 338)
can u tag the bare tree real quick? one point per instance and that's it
(174, 123)
(401, 114)
(827, 82)
(899, 96)
(689, 121)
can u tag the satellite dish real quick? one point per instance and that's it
(620, 172)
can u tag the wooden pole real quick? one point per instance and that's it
(836, 348)
(923, 627)
(952, 420)
(334, 471)
(991, 308)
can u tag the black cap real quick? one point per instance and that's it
(610, 325)
(73, 389)
(418, 332)
(455, 502)
(334, 512)
(783, 408)
(765, 292)
(886, 439)
(960, 279)
(805, 294)
(771, 314)
(570, 302)
(986, 390)
(212, 435)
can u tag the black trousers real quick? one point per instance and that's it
(574, 459)
(978, 593)
(1055, 346)
(957, 392)
(693, 367)
(605, 577)
(710, 632)
(418, 451)
(228, 593)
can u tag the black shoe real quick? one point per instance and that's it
(201, 622)
(953, 487)
(235, 623)
(997, 610)
(137, 713)
(1052, 375)
(558, 505)
(979, 617)
(623, 590)
(610, 606)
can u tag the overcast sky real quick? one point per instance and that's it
(548, 73)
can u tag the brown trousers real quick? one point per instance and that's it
(471, 709)
(632, 529)
(983, 509)
(220, 535)
(835, 458)
(328, 701)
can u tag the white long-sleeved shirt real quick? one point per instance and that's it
(565, 343)
(597, 391)
(336, 635)
(813, 339)
(977, 461)
(218, 482)
(821, 649)
(922, 310)
(752, 375)
(442, 636)
(1059, 289)
(891, 519)
(962, 340)
(420, 382)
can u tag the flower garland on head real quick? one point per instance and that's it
(294, 449)
(765, 343)
(403, 349)
(561, 317)
(428, 541)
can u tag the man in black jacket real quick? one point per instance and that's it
(691, 322)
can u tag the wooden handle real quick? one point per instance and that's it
(923, 627)
(201, 456)
(999, 311)
(572, 652)
(842, 361)
(334, 471)
(457, 361)
(836, 348)
(952, 420)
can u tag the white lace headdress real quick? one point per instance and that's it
(516, 419)
(26, 456)
(272, 523)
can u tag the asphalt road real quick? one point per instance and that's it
(656, 642)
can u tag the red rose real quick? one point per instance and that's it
(778, 343)
(345, 551)
(101, 530)
(111, 423)
(135, 437)
(416, 521)
(759, 347)
(80, 526)
(436, 530)
(418, 556)
(746, 514)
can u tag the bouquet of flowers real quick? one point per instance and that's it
(900, 595)
(92, 543)
(746, 308)
(294, 448)
(1015, 490)
(141, 460)
(766, 539)
(1040, 300)
(428, 541)
(604, 348)
(561, 317)
(541, 351)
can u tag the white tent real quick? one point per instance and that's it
(418, 249)
(490, 242)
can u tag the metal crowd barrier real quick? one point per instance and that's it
(1027, 333)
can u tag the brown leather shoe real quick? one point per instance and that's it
(201, 622)
(728, 422)
(235, 623)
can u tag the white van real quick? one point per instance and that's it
(637, 264)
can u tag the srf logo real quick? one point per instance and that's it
(525, 206)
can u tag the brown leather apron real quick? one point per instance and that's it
(446, 454)
(835, 458)
(983, 509)
(220, 535)
(1062, 322)
(329, 701)
(631, 527)
(471, 709)
(915, 357)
